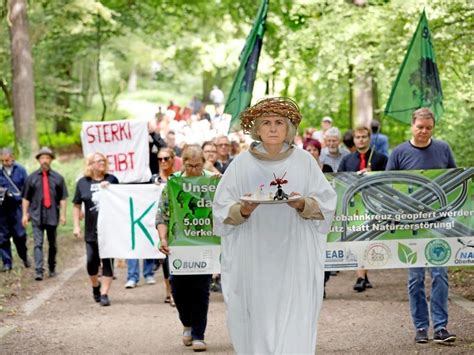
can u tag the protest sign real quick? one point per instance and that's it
(124, 143)
(195, 249)
(399, 219)
(126, 224)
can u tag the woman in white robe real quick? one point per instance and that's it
(273, 255)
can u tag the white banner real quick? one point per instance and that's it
(386, 254)
(199, 259)
(126, 224)
(402, 253)
(125, 143)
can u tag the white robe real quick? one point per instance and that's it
(273, 263)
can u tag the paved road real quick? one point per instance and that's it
(65, 320)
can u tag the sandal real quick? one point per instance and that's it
(168, 299)
(172, 304)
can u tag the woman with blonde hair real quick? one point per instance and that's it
(87, 189)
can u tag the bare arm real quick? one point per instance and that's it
(62, 212)
(163, 234)
(76, 217)
(25, 204)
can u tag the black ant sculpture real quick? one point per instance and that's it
(279, 194)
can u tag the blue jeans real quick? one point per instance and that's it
(438, 299)
(134, 269)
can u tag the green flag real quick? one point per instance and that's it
(417, 83)
(241, 92)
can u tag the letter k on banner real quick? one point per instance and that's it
(126, 225)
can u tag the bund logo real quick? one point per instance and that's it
(438, 252)
(177, 263)
(377, 254)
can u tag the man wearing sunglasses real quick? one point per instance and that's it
(223, 156)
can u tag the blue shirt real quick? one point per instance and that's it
(437, 155)
(380, 142)
(18, 176)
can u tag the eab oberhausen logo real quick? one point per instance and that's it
(437, 252)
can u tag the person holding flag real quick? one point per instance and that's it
(416, 98)
(423, 152)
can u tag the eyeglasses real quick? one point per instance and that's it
(222, 145)
(164, 158)
(99, 161)
(191, 166)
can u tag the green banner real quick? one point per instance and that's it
(190, 200)
(398, 205)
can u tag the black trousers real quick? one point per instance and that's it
(94, 261)
(191, 295)
(38, 237)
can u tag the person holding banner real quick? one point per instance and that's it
(166, 161)
(362, 160)
(423, 152)
(273, 254)
(87, 193)
(190, 292)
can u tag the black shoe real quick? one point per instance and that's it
(421, 336)
(367, 283)
(360, 285)
(443, 336)
(104, 300)
(52, 273)
(39, 276)
(27, 263)
(96, 293)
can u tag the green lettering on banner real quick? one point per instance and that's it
(190, 206)
(134, 222)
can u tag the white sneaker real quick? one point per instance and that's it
(150, 280)
(199, 345)
(187, 338)
(130, 284)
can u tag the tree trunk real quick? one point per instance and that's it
(375, 98)
(132, 80)
(207, 82)
(24, 115)
(63, 99)
(351, 96)
(364, 100)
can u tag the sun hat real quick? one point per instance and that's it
(45, 151)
